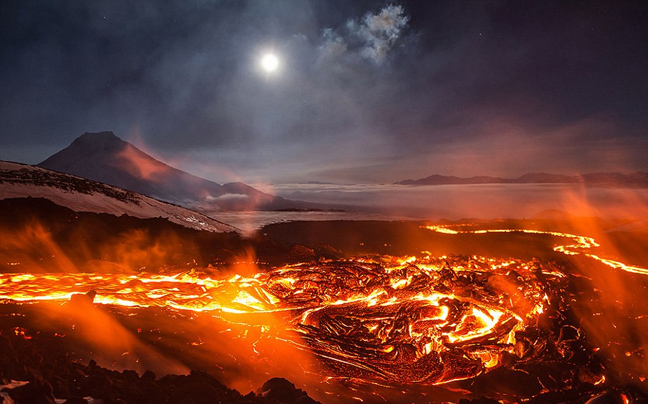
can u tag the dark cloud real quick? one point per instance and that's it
(366, 89)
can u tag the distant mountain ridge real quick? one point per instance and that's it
(106, 158)
(632, 180)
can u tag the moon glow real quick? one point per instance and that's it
(269, 62)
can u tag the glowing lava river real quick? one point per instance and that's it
(382, 321)
(437, 321)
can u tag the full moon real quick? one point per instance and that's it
(269, 62)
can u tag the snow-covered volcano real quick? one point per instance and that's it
(106, 158)
(83, 195)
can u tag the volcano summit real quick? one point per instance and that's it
(106, 158)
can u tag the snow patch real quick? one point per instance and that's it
(82, 195)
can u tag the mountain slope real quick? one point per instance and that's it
(83, 195)
(106, 158)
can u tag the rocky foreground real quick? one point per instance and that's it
(35, 369)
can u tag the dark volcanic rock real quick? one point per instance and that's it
(283, 391)
(482, 400)
(76, 400)
(43, 362)
(35, 392)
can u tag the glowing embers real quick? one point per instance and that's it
(441, 320)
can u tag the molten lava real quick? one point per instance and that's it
(508, 329)
(427, 321)
(578, 244)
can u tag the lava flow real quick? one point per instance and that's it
(425, 321)
(579, 244)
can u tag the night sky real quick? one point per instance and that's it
(364, 90)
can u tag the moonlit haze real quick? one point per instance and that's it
(293, 91)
